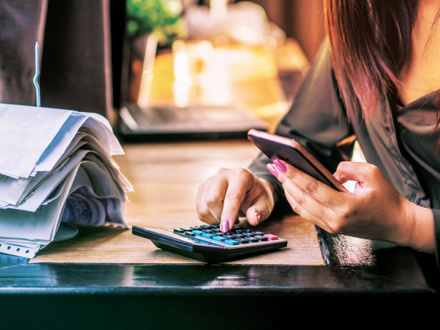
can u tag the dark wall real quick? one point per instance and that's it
(302, 20)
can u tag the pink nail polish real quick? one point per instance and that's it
(279, 165)
(224, 226)
(272, 170)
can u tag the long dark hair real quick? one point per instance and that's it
(369, 41)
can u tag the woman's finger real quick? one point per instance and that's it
(320, 191)
(301, 201)
(356, 171)
(239, 184)
(259, 202)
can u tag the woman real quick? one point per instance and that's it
(377, 77)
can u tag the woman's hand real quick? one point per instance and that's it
(374, 210)
(232, 191)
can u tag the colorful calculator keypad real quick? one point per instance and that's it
(211, 234)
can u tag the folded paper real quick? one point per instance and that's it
(56, 166)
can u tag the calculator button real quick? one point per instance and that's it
(197, 232)
(207, 235)
(219, 238)
(243, 240)
(178, 231)
(189, 233)
(231, 242)
(270, 237)
(261, 238)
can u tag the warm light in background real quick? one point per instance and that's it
(147, 71)
(182, 76)
(215, 80)
(201, 74)
(218, 9)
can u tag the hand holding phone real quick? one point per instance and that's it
(289, 150)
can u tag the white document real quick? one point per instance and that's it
(25, 134)
(77, 126)
(58, 166)
(59, 144)
(35, 229)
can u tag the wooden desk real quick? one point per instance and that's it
(108, 278)
(166, 178)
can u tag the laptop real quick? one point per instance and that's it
(192, 122)
(138, 121)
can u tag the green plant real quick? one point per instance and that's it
(163, 18)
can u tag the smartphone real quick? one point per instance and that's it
(289, 150)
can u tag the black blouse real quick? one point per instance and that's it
(401, 140)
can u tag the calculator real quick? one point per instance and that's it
(209, 244)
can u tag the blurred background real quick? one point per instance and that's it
(219, 49)
(302, 20)
(106, 50)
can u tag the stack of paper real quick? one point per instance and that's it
(55, 165)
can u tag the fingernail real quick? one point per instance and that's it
(257, 215)
(279, 165)
(272, 170)
(224, 226)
